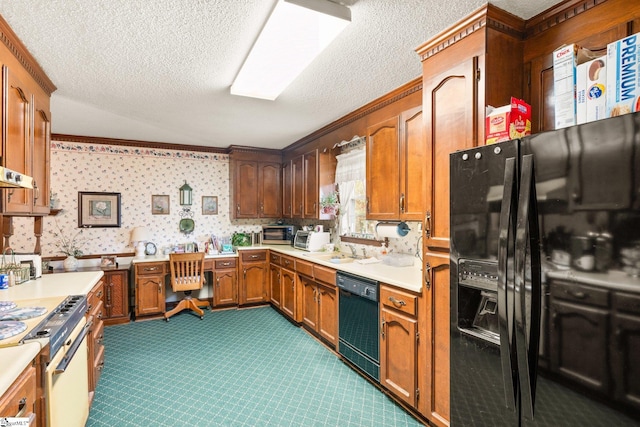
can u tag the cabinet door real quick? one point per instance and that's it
(254, 280)
(116, 295)
(328, 313)
(17, 143)
(398, 354)
(226, 287)
(246, 189)
(575, 331)
(413, 164)
(434, 401)
(309, 302)
(297, 193)
(276, 286)
(20, 397)
(288, 305)
(625, 356)
(41, 150)
(270, 190)
(287, 189)
(310, 184)
(150, 295)
(450, 105)
(383, 170)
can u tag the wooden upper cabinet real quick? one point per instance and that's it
(591, 26)
(41, 155)
(311, 202)
(383, 170)
(256, 184)
(287, 189)
(297, 187)
(17, 145)
(413, 166)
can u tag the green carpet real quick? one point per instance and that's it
(234, 368)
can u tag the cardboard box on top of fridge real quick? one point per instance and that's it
(508, 122)
(623, 76)
(591, 88)
(565, 63)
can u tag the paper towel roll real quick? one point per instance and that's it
(392, 229)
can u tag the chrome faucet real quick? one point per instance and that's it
(364, 251)
(353, 250)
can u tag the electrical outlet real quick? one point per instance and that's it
(419, 226)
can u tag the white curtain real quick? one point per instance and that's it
(351, 168)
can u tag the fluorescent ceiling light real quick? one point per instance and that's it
(295, 33)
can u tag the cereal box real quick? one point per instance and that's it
(596, 88)
(508, 122)
(581, 94)
(565, 62)
(623, 76)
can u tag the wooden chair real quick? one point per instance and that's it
(187, 275)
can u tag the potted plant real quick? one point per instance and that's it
(329, 203)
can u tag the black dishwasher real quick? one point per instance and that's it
(358, 329)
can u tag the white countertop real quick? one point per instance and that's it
(165, 258)
(53, 285)
(409, 278)
(13, 361)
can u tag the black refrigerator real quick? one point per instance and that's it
(545, 293)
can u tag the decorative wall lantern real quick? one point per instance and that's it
(186, 199)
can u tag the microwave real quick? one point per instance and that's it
(278, 234)
(311, 241)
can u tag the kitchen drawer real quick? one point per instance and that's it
(304, 268)
(579, 293)
(96, 296)
(98, 365)
(19, 399)
(222, 264)
(274, 258)
(98, 332)
(150, 268)
(209, 264)
(399, 300)
(249, 256)
(324, 274)
(287, 262)
(628, 303)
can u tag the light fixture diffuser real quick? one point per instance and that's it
(296, 32)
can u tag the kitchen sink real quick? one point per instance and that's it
(336, 257)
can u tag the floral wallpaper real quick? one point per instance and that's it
(137, 174)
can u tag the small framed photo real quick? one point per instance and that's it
(98, 209)
(160, 205)
(109, 261)
(209, 205)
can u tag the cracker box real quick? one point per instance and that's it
(596, 88)
(508, 122)
(623, 76)
(565, 62)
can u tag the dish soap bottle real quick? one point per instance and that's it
(383, 249)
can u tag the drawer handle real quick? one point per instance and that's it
(576, 294)
(226, 264)
(397, 303)
(150, 268)
(22, 407)
(254, 256)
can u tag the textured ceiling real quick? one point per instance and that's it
(160, 70)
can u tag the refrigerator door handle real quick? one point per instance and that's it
(527, 287)
(505, 285)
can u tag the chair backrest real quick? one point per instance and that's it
(187, 271)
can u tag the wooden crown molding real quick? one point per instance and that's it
(487, 16)
(558, 14)
(135, 143)
(399, 93)
(19, 50)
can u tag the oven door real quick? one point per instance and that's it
(67, 382)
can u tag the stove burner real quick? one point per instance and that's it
(62, 320)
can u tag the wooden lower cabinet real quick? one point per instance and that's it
(320, 308)
(20, 399)
(626, 333)
(253, 277)
(275, 285)
(225, 283)
(150, 288)
(95, 337)
(289, 304)
(116, 297)
(399, 343)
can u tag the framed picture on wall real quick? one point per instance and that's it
(209, 205)
(160, 205)
(98, 209)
